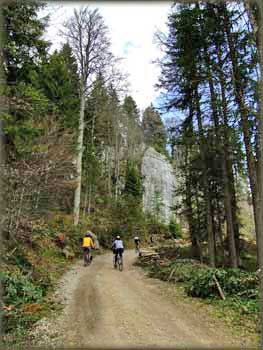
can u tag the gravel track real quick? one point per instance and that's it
(104, 307)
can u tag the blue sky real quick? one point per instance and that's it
(129, 45)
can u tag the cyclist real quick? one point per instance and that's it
(117, 248)
(137, 242)
(87, 245)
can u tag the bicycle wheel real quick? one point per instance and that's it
(114, 264)
(86, 260)
(120, 262)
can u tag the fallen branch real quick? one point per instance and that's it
(219, 288)
(171, 274)
(11, 253)
(248, 293)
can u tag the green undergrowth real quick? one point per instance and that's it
(198, 281)
(31, 265)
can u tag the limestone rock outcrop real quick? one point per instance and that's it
(159, 184)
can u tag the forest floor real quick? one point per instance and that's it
(106, 307)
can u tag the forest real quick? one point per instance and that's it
(73, 142)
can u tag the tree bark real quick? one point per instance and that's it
(210, 232)
(87, 34)
(117, 156)
(260, 175)
(79, 157)
(227, 152)
(189, 210)
(243, 109)
(223, 152)
(89, 198)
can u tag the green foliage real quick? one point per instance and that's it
(175, 229)
(210, 133)
(24, 135)
(24, 45)
(57, 78)
(30, 102)
(128, 215)
(240, 288)
(34, 268)
(98, 108)
(19, 289)
(157, 205)
(130, 107)
(19, 259)
(232, 281)
(124, 217)
(154, 130)
(154, 226)
(23, 302)
(133, 182)
(23, 122)
(183, 271)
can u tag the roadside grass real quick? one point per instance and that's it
(27, 299)
(195, 284)
(29, 279)
(31, 269)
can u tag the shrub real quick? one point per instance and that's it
(175, 229)
(232, 281)
(19, 295)
(19, 289)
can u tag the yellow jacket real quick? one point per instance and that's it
(88, 242)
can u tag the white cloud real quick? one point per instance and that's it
(132, 27)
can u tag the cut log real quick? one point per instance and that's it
(143, 251)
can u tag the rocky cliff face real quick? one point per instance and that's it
(159, 184)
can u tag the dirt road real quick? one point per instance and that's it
(106, 307)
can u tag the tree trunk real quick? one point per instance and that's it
(223, 156)
(89, 191)
(260, 204)
(210, 233)
(243, 109)
(89, 198)
(189, 209)
(227, 151)
(109, 173)
(117, 164)
(260, 176)
(220, 233)
(197, 244)
(79, 157)
(85, 204)
(258, 32)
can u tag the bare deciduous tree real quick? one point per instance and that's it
(86, 33)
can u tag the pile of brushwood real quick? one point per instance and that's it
(199, 280)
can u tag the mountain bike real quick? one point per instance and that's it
(119, 262)
(87, 258)
(137, 249)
